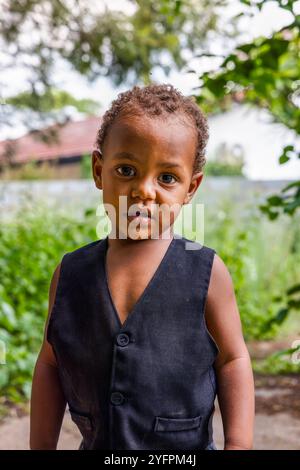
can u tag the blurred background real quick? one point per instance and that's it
(62, 64)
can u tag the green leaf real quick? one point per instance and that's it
(291, 185)
(292, 206)
(293, 289)
(273, 215)
(7, 316)
(274, 200)
(294, 304)
(288, 148)
(281, 316)
(4, 376)
(283, 159)
(89, 211)
(286, 352)
(177, 7)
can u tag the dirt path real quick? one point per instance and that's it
(275, 431)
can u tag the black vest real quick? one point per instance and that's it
(148, 384)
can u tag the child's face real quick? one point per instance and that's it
(150, 162)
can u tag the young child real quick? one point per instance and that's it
(126, 343)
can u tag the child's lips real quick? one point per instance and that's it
(141, 216)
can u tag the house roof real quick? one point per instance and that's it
(75, 138)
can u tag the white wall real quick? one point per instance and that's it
(261, 139)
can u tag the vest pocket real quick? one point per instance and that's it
(176, 424)
(177, 433)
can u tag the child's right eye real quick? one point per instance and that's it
(126, 172)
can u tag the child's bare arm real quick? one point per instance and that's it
(233, 366)
(47, 399)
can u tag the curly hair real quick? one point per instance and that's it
(156, 100)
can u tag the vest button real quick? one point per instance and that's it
(117, 398)
(122, 339)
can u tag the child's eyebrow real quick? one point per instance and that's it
(130, 156)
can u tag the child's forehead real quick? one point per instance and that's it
(152, 141)
(169, 130)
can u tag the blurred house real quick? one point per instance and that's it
(60, 150)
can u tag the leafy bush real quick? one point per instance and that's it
(263, 258)
(30, 249)
(281, 362)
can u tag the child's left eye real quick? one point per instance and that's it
(169, 176)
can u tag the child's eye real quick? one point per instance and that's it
(127, 170)
(168, 178)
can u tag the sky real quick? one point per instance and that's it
(262, 142)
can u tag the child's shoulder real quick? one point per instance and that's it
(82, 258)
(84, 250)
(87, 247)
(220, 276)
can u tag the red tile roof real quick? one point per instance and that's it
(75, 138)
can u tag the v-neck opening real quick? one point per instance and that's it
(147, 288)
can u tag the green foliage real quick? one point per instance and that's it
(244, 240)
(215, 168)
(124, 46)
(86, 166)
(288, 200)
(265, 73)
(29, 171)
(282, 362)
(94, 41)
(51, 99)
(46, 109)
(30, 248)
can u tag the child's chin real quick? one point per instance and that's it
(142, 233)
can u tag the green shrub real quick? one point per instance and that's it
(30, 249)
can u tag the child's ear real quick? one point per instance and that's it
(97, 168)
(194, 185)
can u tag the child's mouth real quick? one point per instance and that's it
(143, 214)
(139, 215)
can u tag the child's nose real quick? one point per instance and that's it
(144, 189)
